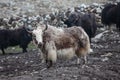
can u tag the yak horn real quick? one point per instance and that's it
(29, 30)
(46, 27)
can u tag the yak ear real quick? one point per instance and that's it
(29, 31)
(46, 26)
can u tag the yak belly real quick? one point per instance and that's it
(66, 53)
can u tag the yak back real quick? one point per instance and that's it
(14, 37)
(107, 11)
(65, 37)
(19, 36)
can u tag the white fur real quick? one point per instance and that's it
(38, 33)
(51, 51)
(50, 47)
(67, 53)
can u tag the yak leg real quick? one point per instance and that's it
(78, 57)
(24, 50)
(51, 55)
(118, 27)
(78, 60)
(110, 28)
(42, 56)
(3, 51)
(81, 53)
(49, 63)
(85, 62)
(85, 59)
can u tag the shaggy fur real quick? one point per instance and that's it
(65, 42)
(51, 50)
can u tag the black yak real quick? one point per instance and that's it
(111, 15)
(87, 21)
(15, 37)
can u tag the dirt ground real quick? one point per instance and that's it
(103, 63)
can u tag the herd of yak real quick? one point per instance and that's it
(84, 16)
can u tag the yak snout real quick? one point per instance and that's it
(40, 44)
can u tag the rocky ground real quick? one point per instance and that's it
(35, 7)
(103, 63)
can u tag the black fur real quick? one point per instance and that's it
(14, 37)
(111, 15)
(86, 21)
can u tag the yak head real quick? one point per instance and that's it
(37, 34)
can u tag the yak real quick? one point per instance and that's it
(111, 15)
(87, 21)
(14, 37)
(66, 42)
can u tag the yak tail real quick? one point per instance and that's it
(86, 43)
(88, 48)
(51, 51)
